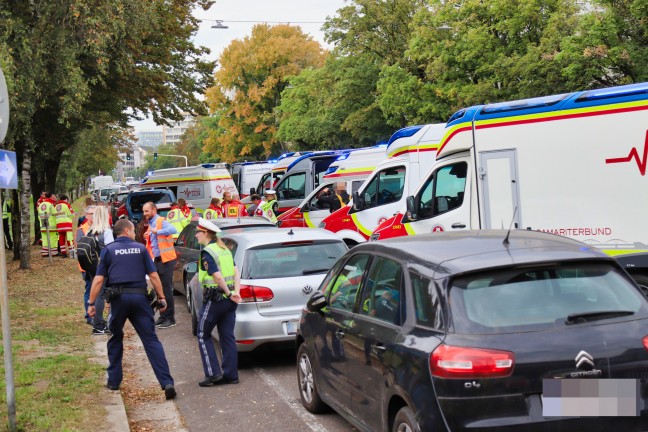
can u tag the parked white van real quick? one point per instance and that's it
(410, 152)
(571, 164)
(246, 175)
(196, 184)
(347, 173)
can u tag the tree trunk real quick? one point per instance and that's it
(15, 223)
(38, 187)
(25, 227)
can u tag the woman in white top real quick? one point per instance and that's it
(101, 230)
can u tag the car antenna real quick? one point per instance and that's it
(506, 239)
(290, 233)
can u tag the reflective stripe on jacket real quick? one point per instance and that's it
(63, 216)
(176, 218)
(165, 243)
(46, 213)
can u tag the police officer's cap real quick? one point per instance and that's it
(205, 225)
(270, 192)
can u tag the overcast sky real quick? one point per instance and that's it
(308, 14)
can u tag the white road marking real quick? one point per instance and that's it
(309, 419)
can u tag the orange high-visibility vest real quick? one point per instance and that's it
(165, 243)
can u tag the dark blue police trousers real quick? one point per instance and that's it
(137, 309)
(222, 314)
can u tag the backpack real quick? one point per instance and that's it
(88, 250)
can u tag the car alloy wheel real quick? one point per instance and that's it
(188, 294)
(405, 421)
(306, 379)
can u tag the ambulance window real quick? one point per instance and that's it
(293, 187)
(385, 187)
(320, 171)
(443, 191)
(237, 180)
(355, 186)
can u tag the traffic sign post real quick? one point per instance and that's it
(8, 180)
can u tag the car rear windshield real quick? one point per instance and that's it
(137, 201)
(291, 259)
(514, 300)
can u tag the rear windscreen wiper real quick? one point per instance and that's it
(313, 271)
(596, 315)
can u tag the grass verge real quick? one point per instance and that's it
(57, 382)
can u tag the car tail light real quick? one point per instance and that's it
(464, 362)
(245, 341)
(251, 293)
(645, 342)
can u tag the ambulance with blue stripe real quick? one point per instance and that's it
(410, 152)
(348, 172)
(273, 174)
(303, 176)
(570, 164)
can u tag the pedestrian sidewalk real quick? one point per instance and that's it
(116, 419)
(147, 411)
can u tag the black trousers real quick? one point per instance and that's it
(165, 270)
(7, 233)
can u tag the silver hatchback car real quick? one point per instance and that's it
(280, 269)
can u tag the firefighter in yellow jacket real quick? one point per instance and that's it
(48, 223)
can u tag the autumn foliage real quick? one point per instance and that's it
(253, 73)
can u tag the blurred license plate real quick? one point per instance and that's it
(290, 327)
(590, 397)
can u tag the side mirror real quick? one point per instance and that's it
(305, 208)
(411, 208)
(191, 268)
(358, 203)
(316, 302)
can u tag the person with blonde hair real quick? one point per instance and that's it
(100, 229)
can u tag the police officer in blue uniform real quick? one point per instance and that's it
(220, 281)
(125, 264)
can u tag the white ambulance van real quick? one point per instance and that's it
(196, 184)
(302, 176)
(246, 175)
(410, 152)
(348, 172)
(570, 164)
(272, 176)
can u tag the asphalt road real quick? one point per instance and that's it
(266, 399)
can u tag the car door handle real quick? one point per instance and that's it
(339, 334)
(378, 348)
(458, 225)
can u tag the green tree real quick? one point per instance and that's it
(95, 149)
(609, 47)
(74, 62)
(162, 162)
(338, 105)
(192, 142)
(248, 87)
(333, 106)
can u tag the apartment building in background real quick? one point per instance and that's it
(150, 138)
(127, 165)
(172, 134)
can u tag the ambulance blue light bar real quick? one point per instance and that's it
(404, 133)
(524, 104)
(614, 92)
(342, 156)
(331, 170)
